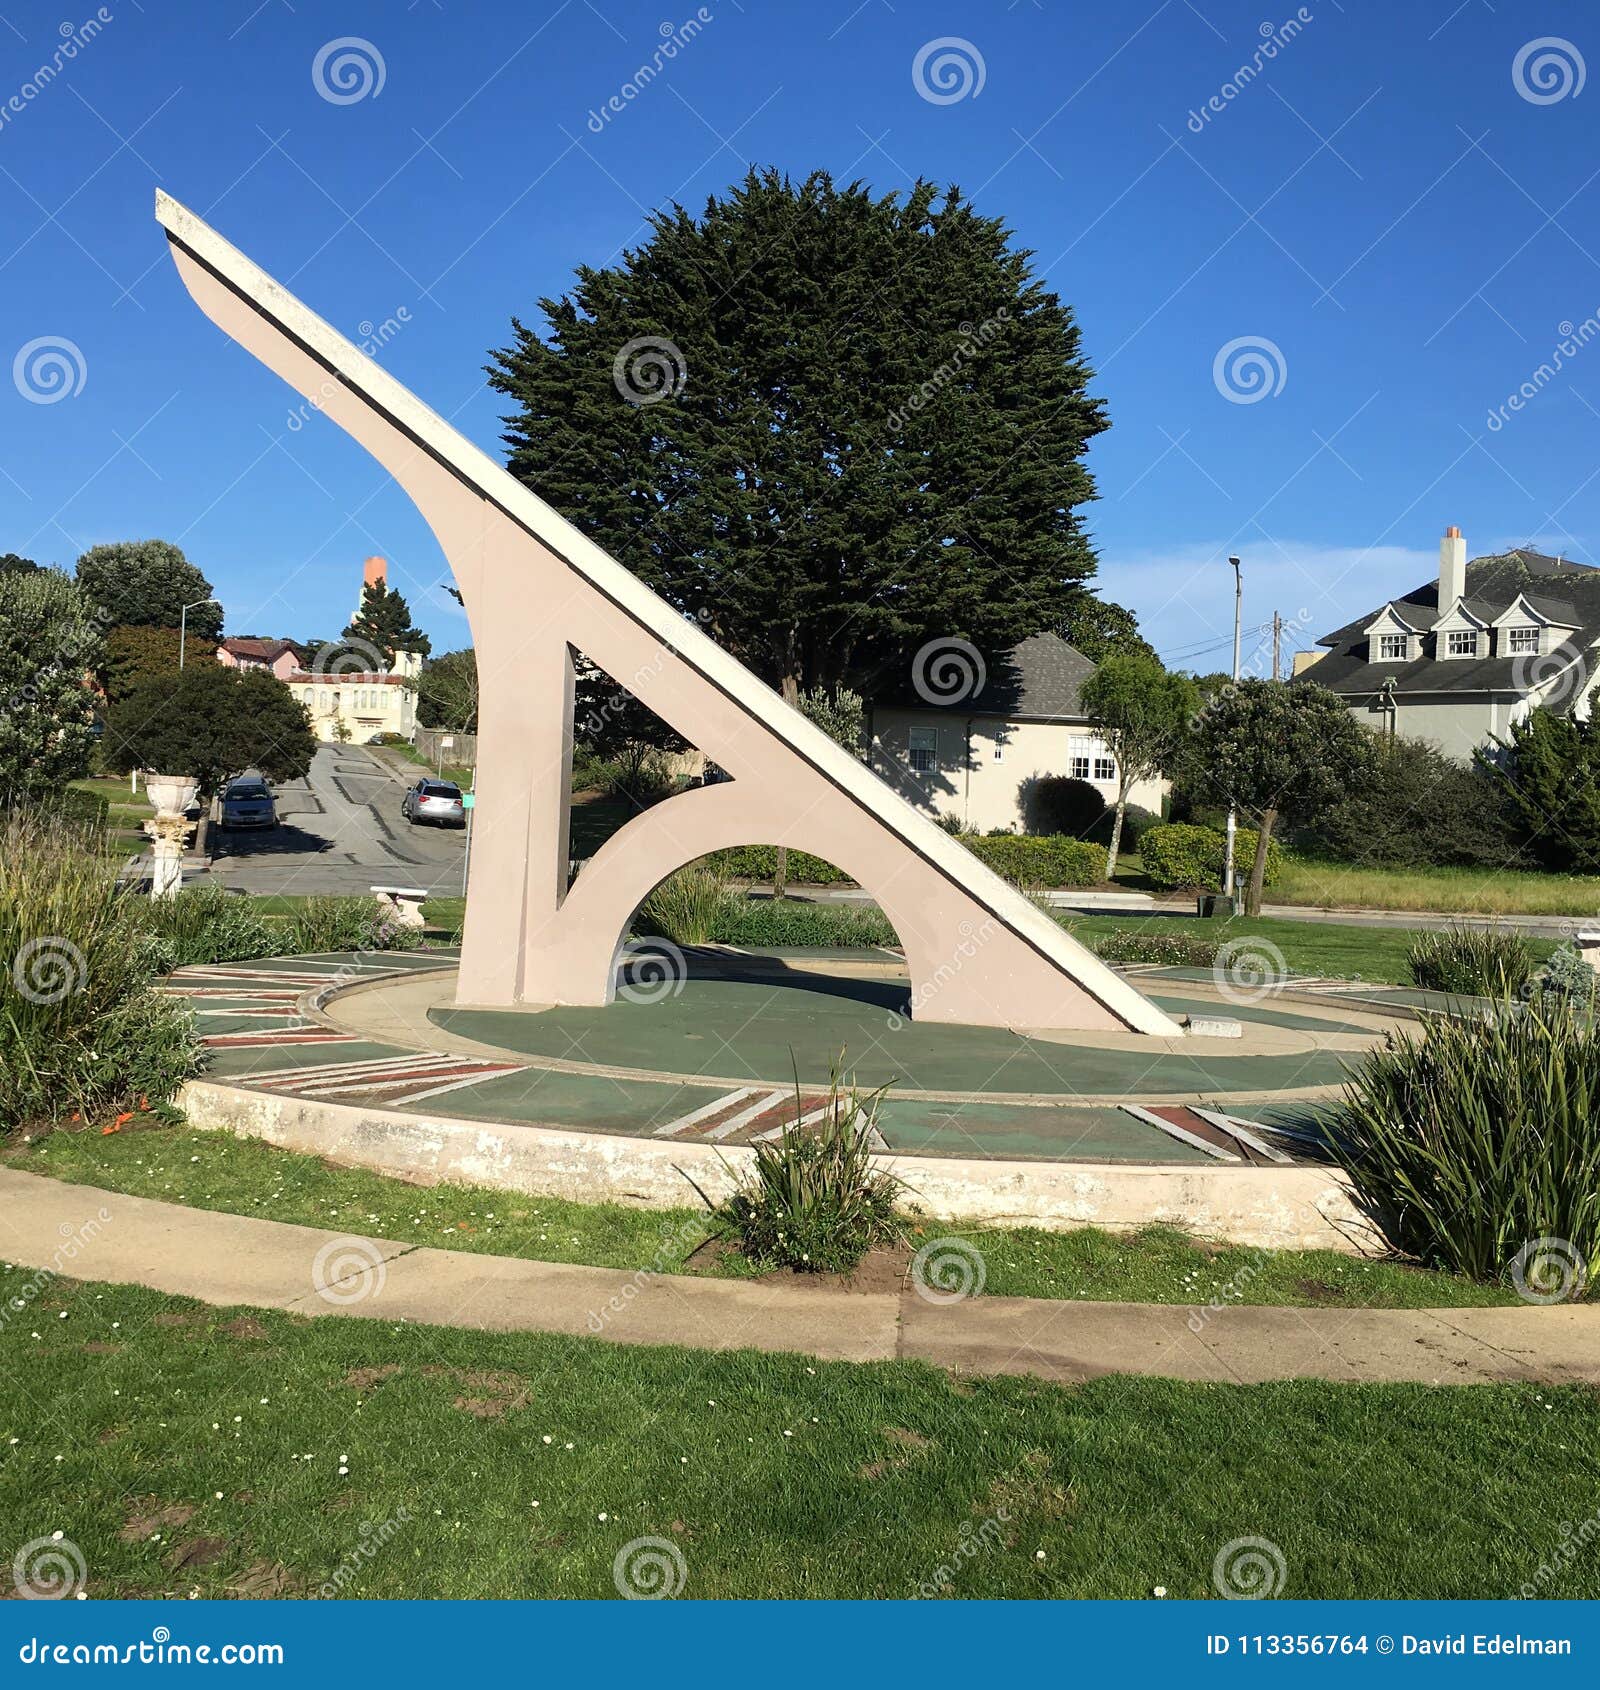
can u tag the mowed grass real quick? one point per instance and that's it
(1454, 891)
(211, 1170)
(1342, 950)
(185, 1450)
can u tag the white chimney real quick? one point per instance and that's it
(1452, 569)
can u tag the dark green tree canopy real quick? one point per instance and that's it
(447, 691)
(1101, 629)
(49, 644)
(148, 582)
(13, 564)
(828, 424)
(384, 623)
(1548, 773)
(210, 723)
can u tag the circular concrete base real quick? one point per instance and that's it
(370, 1061)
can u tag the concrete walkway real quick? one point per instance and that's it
(228, 1260)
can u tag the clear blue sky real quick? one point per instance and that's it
(1381, 203)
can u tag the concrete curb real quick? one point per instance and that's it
(228, 1260)
(1275, 1208)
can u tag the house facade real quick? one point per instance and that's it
(277, 656)
(980, 758)
(1457, 660)
(360, 707)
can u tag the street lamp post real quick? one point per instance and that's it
(183, 624)
(1233, 814)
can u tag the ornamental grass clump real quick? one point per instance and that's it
(1484, 962)
(814, 1201)
(695, 906)
(1479, 1138)
(81, 1032)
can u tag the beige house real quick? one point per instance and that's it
(359, 707)
(981, 758)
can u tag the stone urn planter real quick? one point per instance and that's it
(168, 829)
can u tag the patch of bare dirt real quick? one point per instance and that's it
(152, 1516)
(364, 1378)
(906, 1445)
(1029, 1488)
(1320, 1291)
(246, 1326)
(264, 1581)
(100, 1347)
(487, 1394)
(197, 1552)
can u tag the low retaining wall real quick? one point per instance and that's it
(1263, 1207)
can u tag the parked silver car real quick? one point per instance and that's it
(248, 802)
(436, 801)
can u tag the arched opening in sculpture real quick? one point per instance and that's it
(535, 588)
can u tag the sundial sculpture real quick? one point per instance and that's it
(536, 590)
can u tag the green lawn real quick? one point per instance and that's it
(1346, 952)
(212, 1170)
(183, 1450)
(1456, 891)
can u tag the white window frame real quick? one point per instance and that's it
(1401, 643)
(922, 742)
(1517, 642)
(1461, 642)
(1105, 768)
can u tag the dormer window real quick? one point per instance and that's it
(1461, 642)
(1521, 642)
(1393, 647)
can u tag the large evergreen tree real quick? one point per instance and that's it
(384, 623)
(147, 583)
(831, 425)
(1547, 770)
(49, 641)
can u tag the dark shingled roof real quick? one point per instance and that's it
(1558, 589)
(1037, 679)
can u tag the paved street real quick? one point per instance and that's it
(340, 830)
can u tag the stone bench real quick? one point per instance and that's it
(402, 904)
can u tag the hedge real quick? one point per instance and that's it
(760, 862)
(1178, 855)
(1040, 860)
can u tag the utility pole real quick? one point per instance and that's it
(183, 625)
(1233, 814)
(1277, 644)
